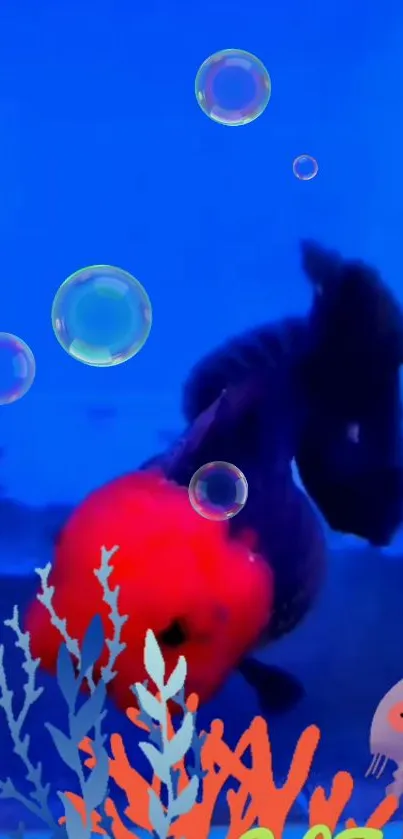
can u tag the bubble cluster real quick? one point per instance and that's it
(233, 87)
(17, 368)
(305, 167)
(218, 491)
(101, 316)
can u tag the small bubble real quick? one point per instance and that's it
(101, 316)
(218, 491)
(233, 87)
(305, 167)
(17, 368)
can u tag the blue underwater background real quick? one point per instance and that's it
(107, 158)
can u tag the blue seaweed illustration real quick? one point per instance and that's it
(74, 666)
(81, 721)
(165, 753)
(38, 800)
(85, 717)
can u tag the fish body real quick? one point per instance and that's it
(212, 591)
(350, 449)
(246, 426)
(340, 368)
(173, 568)
(320, 389)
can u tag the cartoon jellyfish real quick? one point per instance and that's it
(386, 738)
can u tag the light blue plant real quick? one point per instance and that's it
(193, 762)
(19, 833)
(110, 597)
(74, 666)
(37, 801)
(81, 721)
(70, 676)
(162, 752)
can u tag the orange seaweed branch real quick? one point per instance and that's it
(255, 798)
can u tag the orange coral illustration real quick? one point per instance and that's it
(256, 800)
(189, 770)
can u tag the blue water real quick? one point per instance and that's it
(107, 158)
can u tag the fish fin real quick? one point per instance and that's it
(211, 427)
(260, 351)
(179, 454)
(321, 265)
(277, 690)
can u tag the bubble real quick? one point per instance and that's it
(101, 316)
(218, 491)
(233, 87)
(305, 167)
(17, 368)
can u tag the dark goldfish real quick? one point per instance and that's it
(323, 389)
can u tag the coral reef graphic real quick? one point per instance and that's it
(188, 769)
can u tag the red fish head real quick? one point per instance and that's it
(204, 595)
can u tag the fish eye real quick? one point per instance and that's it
(174, 635)
(395, 717)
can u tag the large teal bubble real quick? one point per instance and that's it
(17, 368)
(233, 87)
(101, 316)
(218, 490)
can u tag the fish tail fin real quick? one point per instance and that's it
(277, 691)
(265, 350)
